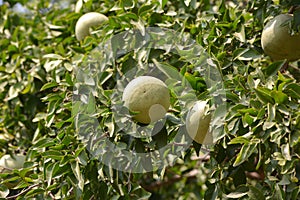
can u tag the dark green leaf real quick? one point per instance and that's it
(255, 194)
(246, 151)
(264, 95)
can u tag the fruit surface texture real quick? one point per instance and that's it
(198, 123)
(147, 96)
(86, 22)
(277, 41)
(8, 162)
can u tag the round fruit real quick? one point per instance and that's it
(86, 21)
(276, 40)
(197, 123)
(147, 96)
(7, 162)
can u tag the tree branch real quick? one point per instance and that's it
(158, 184)
(23, 192)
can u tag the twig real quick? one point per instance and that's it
(158, 184)
(185, 145)
(23, 192)
(203, 158)
(179, 144)
(51, 195)
(292, 9)
(284, 67)
(255, 175)
(2, 170)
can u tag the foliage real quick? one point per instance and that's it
(256, 155)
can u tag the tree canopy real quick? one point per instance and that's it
(61, 101)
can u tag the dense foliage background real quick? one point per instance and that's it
(256, 155)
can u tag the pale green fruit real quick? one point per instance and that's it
(149, 97)
(87, 21)
(7, 162)
(198, 122)
(276, 40)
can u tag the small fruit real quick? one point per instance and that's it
(276, 40)
(86, 21)
(149, 97)
(197, 123)
(7, 162)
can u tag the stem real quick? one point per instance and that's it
(158, 184)
(23, 192)
(284, 67)
(293, 9)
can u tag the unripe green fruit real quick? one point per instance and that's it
(197, 123)
(86, 21)
(7, 162)
(277, 42)
(149, 97)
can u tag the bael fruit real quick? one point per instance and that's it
(197, 123)
(276, 40)
(86, 21)
(149, 97)
(8, 162)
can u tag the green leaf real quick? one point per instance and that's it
(56, 155)
(280, 97)
(34, 192)
(103, 189)
(27, 88)
(247, 120)
(277, 193)
(285, 150)
(127, 4)
(293, 89)
(170, 71)
(197, 147)
(239, 140)
(246, 151)
(44, 142)
(285, 180)
(49, 85)
(49, 171)
(145, 9)
(76, 171)
(51, 65)
(69, 79)
(264, 95)
(246, 54)
(68, 66)
(238, 193)
(272, 69)
(53, 56)
(4, 191)
(255, 194)
(163, 3)
(160, 135)
(271, 111)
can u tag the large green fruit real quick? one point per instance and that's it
(147, 96)
(87, 21)
(198, 122)
(7, 162)
(276, 40)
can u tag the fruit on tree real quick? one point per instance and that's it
(86, 22)
(148, 97)
(277, 41)
(198, 123)
(8, 162)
